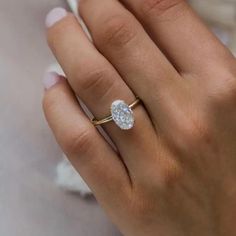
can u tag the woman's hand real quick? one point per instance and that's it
(175, 171)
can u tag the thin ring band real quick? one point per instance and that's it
(109, 118)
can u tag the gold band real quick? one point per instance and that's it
(109, 117)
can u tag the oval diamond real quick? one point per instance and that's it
(122, 115)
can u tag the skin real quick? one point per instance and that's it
(174, 173)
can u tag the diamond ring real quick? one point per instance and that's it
(121, 114)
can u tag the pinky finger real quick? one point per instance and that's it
(86, 149)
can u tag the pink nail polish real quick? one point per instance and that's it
(54, 16)
(51, 79)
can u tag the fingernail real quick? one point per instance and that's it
(54, 16)
(51, 79)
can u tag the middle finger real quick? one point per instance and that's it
(122, 39)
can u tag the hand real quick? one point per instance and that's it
(175, 171)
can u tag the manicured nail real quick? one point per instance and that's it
(51, 79)
(54, 16)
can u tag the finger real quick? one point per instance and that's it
(120, 37)
(181, 35)
(98, 84)
(86, 149)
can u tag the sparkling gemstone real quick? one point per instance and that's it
(122, 115)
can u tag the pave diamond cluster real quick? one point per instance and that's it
(122, 115)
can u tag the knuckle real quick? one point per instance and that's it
(197, 131)
(78, 142)
(171, 174)
(158, 6)
(97, 82)
(119, 31)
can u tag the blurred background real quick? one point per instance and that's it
(31, 204)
